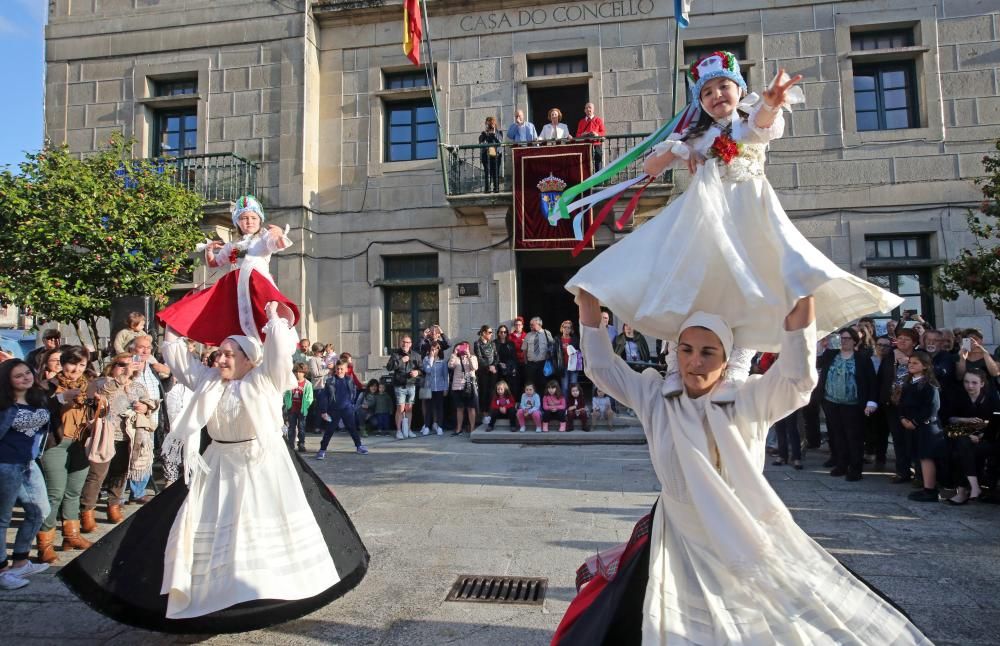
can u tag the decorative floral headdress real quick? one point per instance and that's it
(712, 66)
(244, 204)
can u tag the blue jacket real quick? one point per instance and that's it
(7, 420)
(330, 391)
(436, 375)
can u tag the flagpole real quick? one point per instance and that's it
(432, 78)
(677, 61)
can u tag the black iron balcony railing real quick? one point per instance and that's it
(218, 177)
(465, 173)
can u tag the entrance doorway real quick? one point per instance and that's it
(570, 99)
(541, 279)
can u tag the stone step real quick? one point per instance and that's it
(503, 435)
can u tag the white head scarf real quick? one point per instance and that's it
(713, 323)
(251, 347)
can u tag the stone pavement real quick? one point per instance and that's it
(432, 508)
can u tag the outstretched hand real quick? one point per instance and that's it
(774, 96)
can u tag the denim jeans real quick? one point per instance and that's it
(138, 487)
(337, 414)
(569, 378)
(296, 428)
(22, 483)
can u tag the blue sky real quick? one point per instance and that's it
(22, 54)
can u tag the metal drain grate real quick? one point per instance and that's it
(482, 588)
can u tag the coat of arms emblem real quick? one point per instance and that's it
(551, 189)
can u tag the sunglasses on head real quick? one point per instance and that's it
(121, 364)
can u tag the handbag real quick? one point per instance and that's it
(492, 151)
(469, 388)
(547, 369)
(100, 442)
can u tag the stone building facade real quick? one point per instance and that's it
(903, 101)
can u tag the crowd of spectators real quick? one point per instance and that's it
(933, 392)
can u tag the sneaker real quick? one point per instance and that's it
(302, 448)
(362, 450)
(438, 430)
(321, 455)
(10, 582)
(27, 569)
(425, 431)
(521, 430)
(400, 436)
(486, 420)
(538, 429)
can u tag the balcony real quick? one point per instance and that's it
(465, 177)
(220, 178)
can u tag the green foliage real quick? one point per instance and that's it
(75, 233)
(976, 271)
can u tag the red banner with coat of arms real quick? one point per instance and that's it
(541, 174)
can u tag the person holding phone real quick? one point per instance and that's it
(972, 354)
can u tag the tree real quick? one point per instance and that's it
(78, 232)
(976, 271)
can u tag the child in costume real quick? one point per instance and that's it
(725, 245)
(235, 303)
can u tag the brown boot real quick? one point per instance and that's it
(115, 514)
(71, 536)
(46, 553)
(87, 521)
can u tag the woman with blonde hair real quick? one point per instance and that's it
(555, 128)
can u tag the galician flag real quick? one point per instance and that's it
(681, 10)
(413, 30)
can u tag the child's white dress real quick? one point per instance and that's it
(727, 247)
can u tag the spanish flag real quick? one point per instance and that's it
(413, 30)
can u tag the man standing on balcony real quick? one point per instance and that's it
(521, 131)
(592, 126)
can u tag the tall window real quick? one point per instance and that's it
(559, 65)
(411, 296)
(410, 131)
(885, 92)
(910, 283)
(176, 132)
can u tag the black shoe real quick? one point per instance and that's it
(853, 477)
(797, 466)
(302, 448)
(898, 479)
(924, 495)
(779, 463)
(837, 471)
(829, 463)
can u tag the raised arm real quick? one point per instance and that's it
(790, 381)
(279, 346)
(276, 239)
(185, 367)
(609, 372)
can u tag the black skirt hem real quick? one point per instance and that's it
(120, 575)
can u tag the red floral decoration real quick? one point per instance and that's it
(233, 256)
(725, 148)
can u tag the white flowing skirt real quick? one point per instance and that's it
(727, 248)
(244, 532)
(800, 597)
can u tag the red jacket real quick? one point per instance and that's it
(505, 401)
(593, 127)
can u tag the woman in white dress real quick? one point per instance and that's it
(246, 547)
(724, 562)
(725, 245)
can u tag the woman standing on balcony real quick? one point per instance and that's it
(490, 154)
(235, 303)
